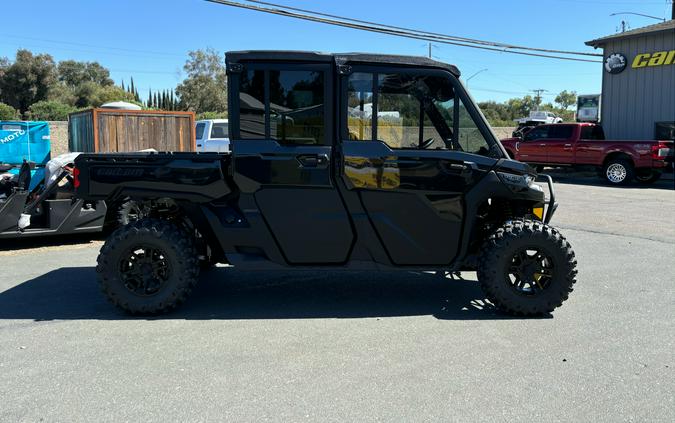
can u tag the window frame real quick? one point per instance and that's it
(266, 67)
(213, 126)
(557, 128)
(461, 95)
(540, 127)
(595, 130)
(203, 124)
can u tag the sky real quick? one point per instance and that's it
(149, 39)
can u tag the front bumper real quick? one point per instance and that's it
(550, 202)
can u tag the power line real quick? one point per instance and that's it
(433, 34)
(47, 40)
(491, 90)
(398, 33)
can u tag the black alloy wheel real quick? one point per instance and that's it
(530, 271)
(144, 270)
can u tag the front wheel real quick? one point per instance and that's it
(149, 266)
(527, 268)
(618, 171)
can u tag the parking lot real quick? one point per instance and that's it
(333, 346)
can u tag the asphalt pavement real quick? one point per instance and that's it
(334, 346)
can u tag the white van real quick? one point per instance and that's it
(213, 135)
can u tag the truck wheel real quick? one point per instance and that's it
(148, 267)
(527, 268)
(647, 177)
(618, 171)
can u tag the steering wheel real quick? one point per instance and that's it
(427, 143)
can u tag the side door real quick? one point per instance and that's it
(560, 144)
(532, 149)
(281, 140)
(201, 131)
(589, 149)
(410, 151)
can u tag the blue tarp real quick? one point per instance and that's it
(25, 140)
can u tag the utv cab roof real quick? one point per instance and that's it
(234, 57)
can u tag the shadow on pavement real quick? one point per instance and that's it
(72, 293)
(16, 244)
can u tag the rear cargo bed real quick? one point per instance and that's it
(197, 177)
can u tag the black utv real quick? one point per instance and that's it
(349, 161)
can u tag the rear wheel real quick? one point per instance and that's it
(527, 268)
(647, 176)
(148, 267)
(618, 171)
(131, 211)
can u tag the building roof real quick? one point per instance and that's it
(659, 27)
(338, 58)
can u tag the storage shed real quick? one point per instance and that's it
(110, 130)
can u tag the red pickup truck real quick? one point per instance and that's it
(584, 144)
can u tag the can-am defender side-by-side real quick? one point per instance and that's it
(338, 161)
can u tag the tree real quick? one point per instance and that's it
(90, 94)
(566, 99)
(150, 98)
(28, 80)
(109, 94)
(205, 87)
(74, 73)
(8, 112)
(49, 110)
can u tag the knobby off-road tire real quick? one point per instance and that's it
(535, 253)
(618, 172)
(130, 211)
(148, 267)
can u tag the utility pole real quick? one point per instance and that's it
(537, 97)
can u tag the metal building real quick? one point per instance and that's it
(638, 82)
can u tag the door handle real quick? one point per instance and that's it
(457, 166)
(312, 160)
(542, 145)
(568, 146)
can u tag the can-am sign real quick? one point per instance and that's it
(616, 62)
(659, 58)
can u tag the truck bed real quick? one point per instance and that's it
(196, 177)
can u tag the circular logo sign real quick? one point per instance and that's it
(615, 63)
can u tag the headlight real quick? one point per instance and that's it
(519, 182)
(522, 180)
